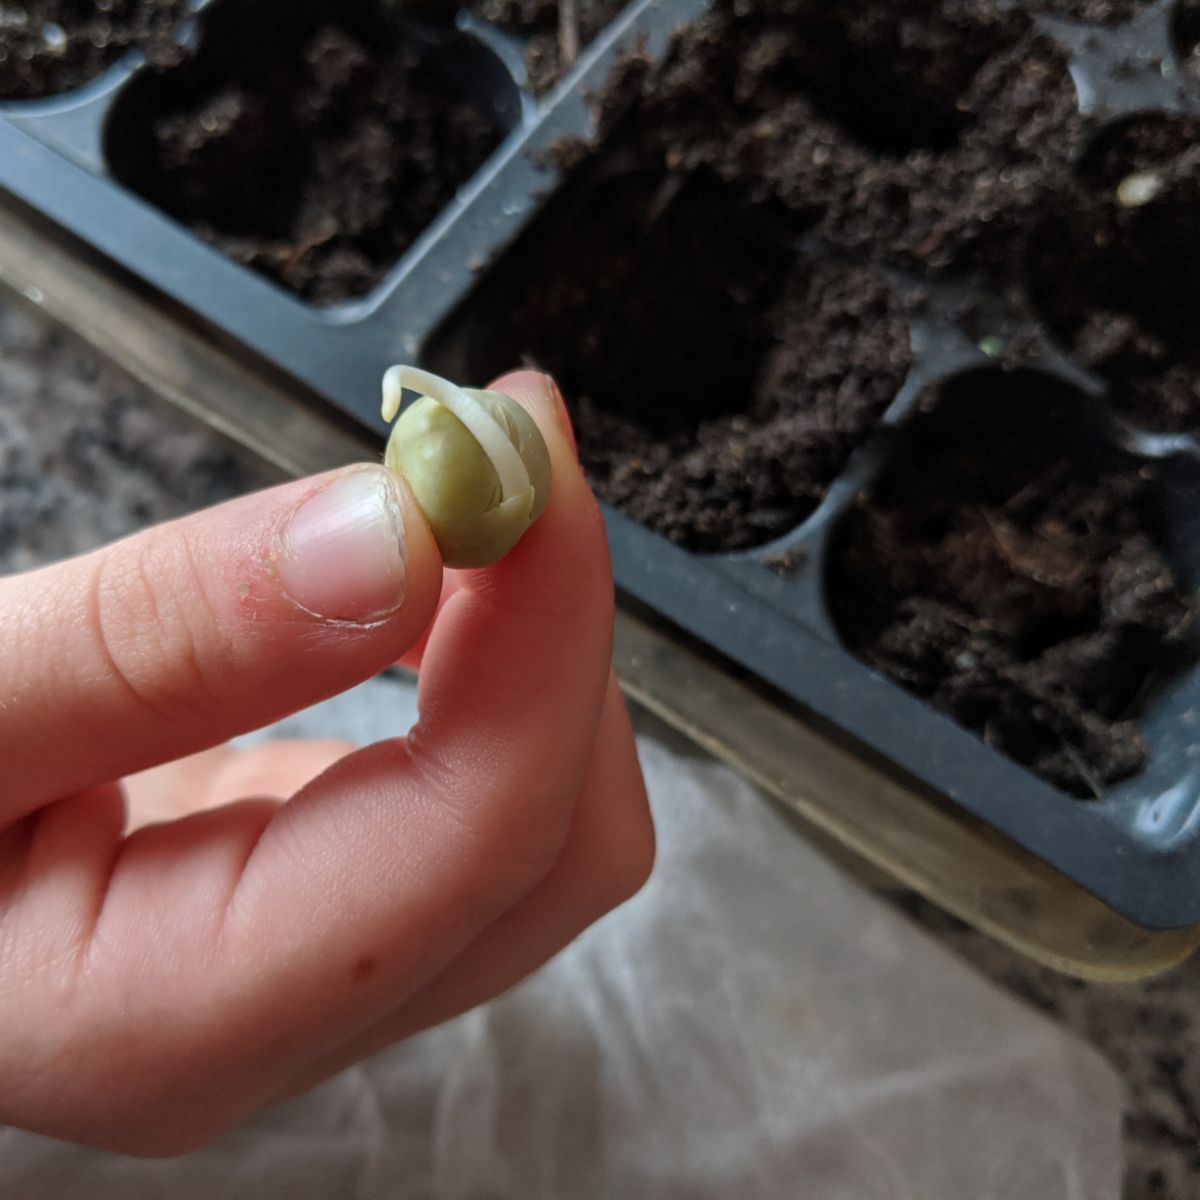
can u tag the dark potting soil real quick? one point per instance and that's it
(720, 376)
(1012, 586)
(969, 126)
(904, 132)
(558, 30)
(718, 380)
(48, 47)
(357, 149)
(1115, 269)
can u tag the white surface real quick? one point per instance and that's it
(753, 1025)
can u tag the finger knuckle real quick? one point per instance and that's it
(153, 626)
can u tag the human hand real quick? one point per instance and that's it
(304, 906)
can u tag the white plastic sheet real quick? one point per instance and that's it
(754, 1025)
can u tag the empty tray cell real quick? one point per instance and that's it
(48, 47)
(311, 143)
(1010, 568)
(718, 379)
(1115, 268)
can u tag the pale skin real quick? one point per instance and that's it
(189, 933)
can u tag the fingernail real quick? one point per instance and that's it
(343, 549)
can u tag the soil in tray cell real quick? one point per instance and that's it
(719, 384)
(718, 378)
(48, 47)
(317, 165)
(1115, 269)
(1012, 575)
(919, 134)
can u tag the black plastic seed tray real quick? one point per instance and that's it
(1136, 847)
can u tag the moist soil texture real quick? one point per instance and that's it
(48, 47)
(1014, 584)
(717, 392)
(1115, 269)
(356, 149)
(718, 380)
(922, 135)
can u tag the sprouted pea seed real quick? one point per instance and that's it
(475, 460)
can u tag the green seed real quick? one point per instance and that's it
(475, 460)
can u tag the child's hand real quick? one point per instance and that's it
(159, 985)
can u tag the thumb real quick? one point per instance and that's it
(195, 631)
